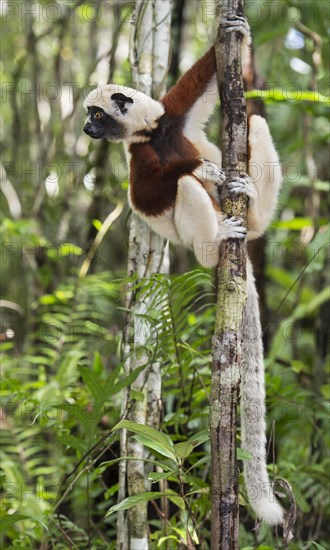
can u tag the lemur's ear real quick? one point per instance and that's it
(121, 100)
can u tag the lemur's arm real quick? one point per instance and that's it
(153, 186)
(192, 85)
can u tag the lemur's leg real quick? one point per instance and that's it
(266, 175)
(163, 225)
(203, 107)
(196, 118)
(204, 102)
(199, 222)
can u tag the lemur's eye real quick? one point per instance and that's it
(98, 114)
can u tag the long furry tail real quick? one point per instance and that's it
(258, 485)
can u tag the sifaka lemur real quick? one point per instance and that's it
(175, 174)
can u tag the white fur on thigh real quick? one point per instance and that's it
(265, 172)
(163, 225)
(196, 220)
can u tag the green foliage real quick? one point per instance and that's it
(274, 95)
(63, 376)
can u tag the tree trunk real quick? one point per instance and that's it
(149, 54)
(227, 354)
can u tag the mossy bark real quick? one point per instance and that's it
(225, 377)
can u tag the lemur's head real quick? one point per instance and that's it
(118, 113)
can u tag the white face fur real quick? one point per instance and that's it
(139, 113)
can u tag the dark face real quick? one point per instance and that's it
(101, 125)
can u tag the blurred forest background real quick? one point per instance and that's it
(61, 328)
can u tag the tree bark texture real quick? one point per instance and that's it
(227, 340)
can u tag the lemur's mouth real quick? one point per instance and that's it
(93, 135)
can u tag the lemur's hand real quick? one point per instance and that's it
(237, 23)
(242, 184)
(231, 228)
(210, 172)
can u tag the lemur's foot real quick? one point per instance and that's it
(236, 23)
(232, 228)
(242, 184)
(210, 171)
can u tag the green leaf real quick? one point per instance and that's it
(97, 224)
(154, 477)
(303, 310)
(325, 390)
(72, 441)
(318, 546)
(174, 497)
(200, 437)
(98, 366)
(199, 462)
(87, 418)
(300, 312)
(200, 491)
(47, 299)
(153, 445)
(125, 382)
(137, 395)
(65, 249)
(296, 224)
(102, 393)
(182, 450)
(100, 469)
(181, 532)
(164, 539)
(137, 499)
(163, 442)
(297, 366)
(89, 378)
(9, 520)
(243, 455)
(278, 94)
(280, 276)
(110, 381)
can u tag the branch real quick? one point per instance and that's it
(227, 355)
